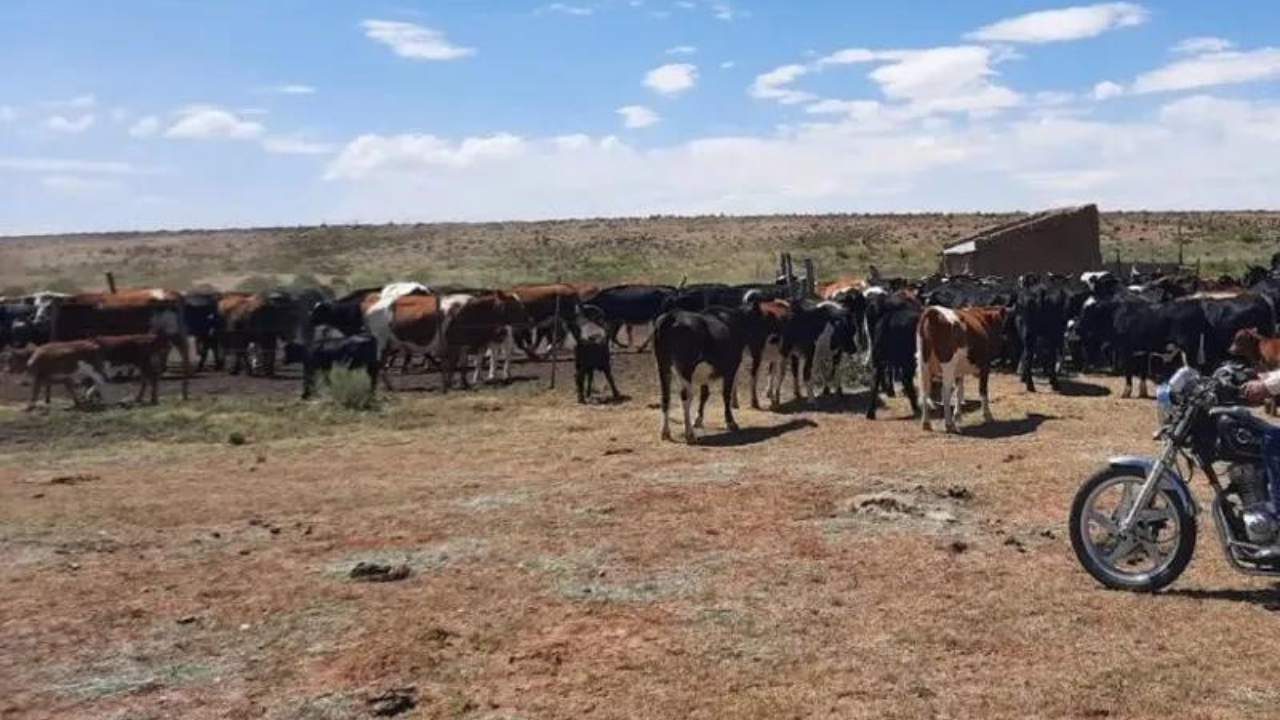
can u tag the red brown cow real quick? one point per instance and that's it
(479, 324)
(126, 312)
(60, 361)
(951, 344)
(1261, 352)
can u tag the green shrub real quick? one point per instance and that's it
(350, 389)
(256, 283)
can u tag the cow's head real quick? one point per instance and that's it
(1245, 344)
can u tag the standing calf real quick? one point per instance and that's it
(589, 357)
(59, 361)
(952, 344)
(357, 351)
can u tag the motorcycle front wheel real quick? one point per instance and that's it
(1152, 554)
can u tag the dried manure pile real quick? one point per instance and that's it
(513, 554)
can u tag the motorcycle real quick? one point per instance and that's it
(1133, 523)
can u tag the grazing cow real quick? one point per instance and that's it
(631, 306)
(551, 310)
(60, 361)
(952, 344)
(146, 353)
(352, 352)
(591, 355)
(127, 312)
(1040, 315)
(700, 347)
(891, 322)
(480, 324)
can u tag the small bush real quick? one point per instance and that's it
(350, 389)
(256, 284)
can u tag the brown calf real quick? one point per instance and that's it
(60, 361)
(479, 324)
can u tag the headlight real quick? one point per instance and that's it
(1164, 403)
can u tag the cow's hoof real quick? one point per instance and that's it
(953, 429)
(666, 436)
(871, 416)
(733, 427)
(690, 439)
(927, 427)
(1126, 394)
(698, 424)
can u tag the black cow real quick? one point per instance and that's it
(1226, 316)
(891, 324)
(344, 314)
(1040, 314)
(203, 322)
(355, 351)
(591, 355)
(811, 325)
(683, 341)
(631, 305)
(1136, 329)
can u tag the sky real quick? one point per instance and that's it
(169, 114)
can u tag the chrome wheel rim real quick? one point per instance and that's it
(1148, 547)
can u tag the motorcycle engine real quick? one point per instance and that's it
(1250, 484)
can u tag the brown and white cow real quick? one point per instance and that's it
(479, 325)
(951, 344)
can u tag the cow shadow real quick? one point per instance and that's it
(998, 429)
(830, 404)
(1078, 388)
(754, 435)
(1266, 598)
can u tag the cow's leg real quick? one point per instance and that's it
(69, 383)
(809, 380)
(664, 388)
(959, 400)
(508, 349)
(1024, 365)
(886, 381)
(36, 383)
(142, 386)
(1128, 377)
(728, 387)
(1144, 371)
(648, 338)
(1053, 362)
(756, 359)
(983, 382)
(909, 389)
(613, 387)
(704, 392)
(794, 360)
(686, 399)
(874, 393)
(948, 394)
(580, 380)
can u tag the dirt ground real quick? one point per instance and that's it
(565, 563)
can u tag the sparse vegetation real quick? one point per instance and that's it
(350, 389)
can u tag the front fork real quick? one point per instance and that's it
(1154, 476)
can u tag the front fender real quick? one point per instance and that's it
(1172, 480)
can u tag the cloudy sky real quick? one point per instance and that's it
(139, 114)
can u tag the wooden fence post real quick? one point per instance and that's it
(111, 282)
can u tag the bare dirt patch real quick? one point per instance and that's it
(841, 568)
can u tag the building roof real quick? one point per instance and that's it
(969, 244)
(965, 247)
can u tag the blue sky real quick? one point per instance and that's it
(142, 114)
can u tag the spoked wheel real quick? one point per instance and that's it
(1152, 553)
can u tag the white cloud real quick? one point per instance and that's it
(725, 11)
(145, 126)
(902, 164)
(682, 50)
(1217, 68)
(944, 79)
(7, 114)
(295, 145)
(414, 41)
(1106, 90)
(87, 101)
(671, 79)
(1070, 23)
(71, 126)
(637, 116)
(728, 65)
(64, 166)
(289, 89)
(776, 85)
(77, 186)
(119, 114)
(207, 122)
(369, 154)
(1199, 45)
(566, 9)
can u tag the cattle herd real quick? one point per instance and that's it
(924, 335)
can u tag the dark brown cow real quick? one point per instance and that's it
(126, 312)
(144, 352)
(240, 313)
(951, 344)
(478, 324)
